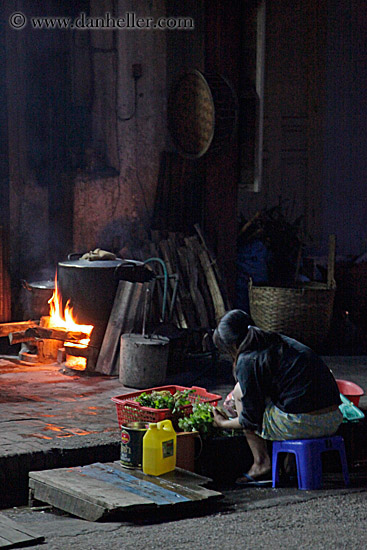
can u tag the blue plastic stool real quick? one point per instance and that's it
(308, 459)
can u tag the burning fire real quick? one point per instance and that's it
(64, 319)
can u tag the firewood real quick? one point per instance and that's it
(18, 337)
(191, 244)
(182, 289)
(46, 334)
(7, 328)
(190, 269)
(77, 351)
(215, 267)
(215, 291)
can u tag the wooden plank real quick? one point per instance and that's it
(191, 244)
(96, 490)
(215, 267)
(184, 294)
(69, 489)
(8, 328)
(213, 285)
(76, 504)
(14, 534)
(182, 482)
(123, 479)
(121, 320)
(190, 269)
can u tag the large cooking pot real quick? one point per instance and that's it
(91, 285)
(37, 296)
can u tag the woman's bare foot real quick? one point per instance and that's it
(259, 470)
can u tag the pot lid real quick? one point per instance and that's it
(42, 284)
(127, 270)
(98, 264)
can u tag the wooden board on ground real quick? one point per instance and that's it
(14, 534)
(95, 491)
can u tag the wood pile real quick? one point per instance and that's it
(201, 299)
(8, 328)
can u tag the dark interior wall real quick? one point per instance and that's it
(315, 123)
(66, 94)
(45, 130)
(293, 113)
(115, 192)
(214, 48)
(345, 168)
(222, 55)
(4, 147)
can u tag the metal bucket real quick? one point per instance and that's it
(143, 361)
(132, 444)
(36, 298)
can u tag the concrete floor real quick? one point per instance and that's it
(312, 521)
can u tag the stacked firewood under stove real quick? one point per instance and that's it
(49, 344)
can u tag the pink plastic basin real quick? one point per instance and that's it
(350, 390)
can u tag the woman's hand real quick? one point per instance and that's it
(219, 419)
(225, 423)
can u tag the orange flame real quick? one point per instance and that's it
(65, 319)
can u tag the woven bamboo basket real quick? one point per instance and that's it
(303, 312)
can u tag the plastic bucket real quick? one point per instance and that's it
(350, 390)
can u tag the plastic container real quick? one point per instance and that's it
(129, 410)
(350, 412)
(159, 448)
(352, 391)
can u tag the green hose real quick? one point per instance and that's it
(165, 282)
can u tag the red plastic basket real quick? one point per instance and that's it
(129, 410)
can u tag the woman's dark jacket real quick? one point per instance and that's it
(294, 378)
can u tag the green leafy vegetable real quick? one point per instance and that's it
(165, 400)
(201, 420)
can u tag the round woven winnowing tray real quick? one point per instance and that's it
(202, 111)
